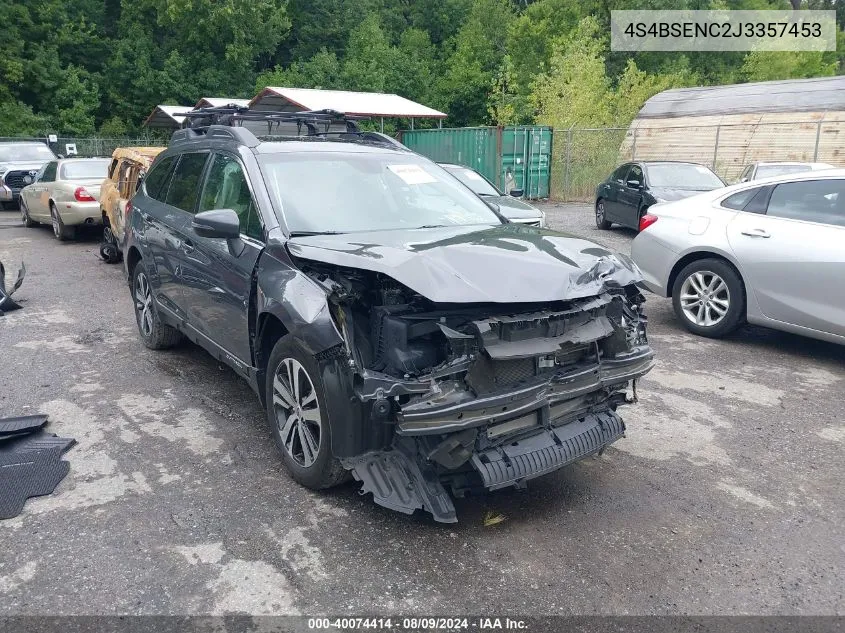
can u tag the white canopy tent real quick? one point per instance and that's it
(371, 104)
(216, 102)
(165, 116)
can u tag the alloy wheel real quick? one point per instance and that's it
(297, 412)
(600, 213)
(705, 298)
(143, 304)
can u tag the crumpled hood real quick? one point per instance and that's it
(668, 194)
(513, 208)
(508, 263)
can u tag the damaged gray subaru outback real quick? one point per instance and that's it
(393, 324)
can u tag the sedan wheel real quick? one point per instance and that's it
(297, 412)
(601, 220)
(709, 297)
(705, 298)
(27, 221)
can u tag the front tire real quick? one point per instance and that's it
(154, 333)
(296, 410)
(709, 298)
(601, 216)
(60, 231)
(28, 222)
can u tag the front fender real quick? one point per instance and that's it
(298, 302)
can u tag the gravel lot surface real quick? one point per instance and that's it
(725, 498)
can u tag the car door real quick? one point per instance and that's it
(792, 253)
(158, 233)
(614, 185)
(217, 273)
(630, 197)
(39, 203)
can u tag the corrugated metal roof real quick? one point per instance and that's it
(165, 116)
(353, 103)
(794, 95)
(216, 102)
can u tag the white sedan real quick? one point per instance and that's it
(770, 252)
(66, 194)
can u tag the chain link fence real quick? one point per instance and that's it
(584, 157)
(90, 147)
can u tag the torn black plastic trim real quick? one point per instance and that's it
(7, 304)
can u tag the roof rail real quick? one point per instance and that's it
(241, 135)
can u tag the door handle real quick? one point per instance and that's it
(187, 246)
(755, 233)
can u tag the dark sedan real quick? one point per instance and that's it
(510, 206)
(633, 187)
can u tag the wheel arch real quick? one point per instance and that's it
(698, 255)
(132, 259)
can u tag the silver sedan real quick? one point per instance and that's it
(770, 252)
(64, 193)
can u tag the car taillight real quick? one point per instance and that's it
(81, 195)
(647, 220)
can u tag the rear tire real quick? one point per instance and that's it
(62, 233)
(709, 298)
(601, 221)
(154, 333)
(298, 417)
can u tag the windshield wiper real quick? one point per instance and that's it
(310, 233)
(432, 226)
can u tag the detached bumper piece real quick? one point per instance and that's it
(402, 480)
(31, 462)
(7, 304)
(545, 452)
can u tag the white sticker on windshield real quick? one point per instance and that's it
(472, 175)
(702, 170)
(412, 174)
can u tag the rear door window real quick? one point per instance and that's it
(821, 201)
(157, 181)
(184, 186)
(740, 199)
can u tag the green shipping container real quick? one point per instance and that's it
(514, 157)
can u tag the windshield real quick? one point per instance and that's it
(84, 170)
(767, 171)
(682, 176)
(473, 180)
(25, 153)
(351, 192)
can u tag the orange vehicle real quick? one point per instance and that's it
(127, 168)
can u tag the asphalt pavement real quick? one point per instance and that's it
(726, 496)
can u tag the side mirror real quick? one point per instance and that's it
(743, 179)
(634, 184)
(60, 156)
(217, 223)
(516, 193)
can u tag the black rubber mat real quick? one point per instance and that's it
(30, 442)
(25, 474)
(22, 424)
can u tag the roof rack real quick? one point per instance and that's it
(235, 116)
(317, 124)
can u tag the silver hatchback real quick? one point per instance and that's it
(770, 252)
